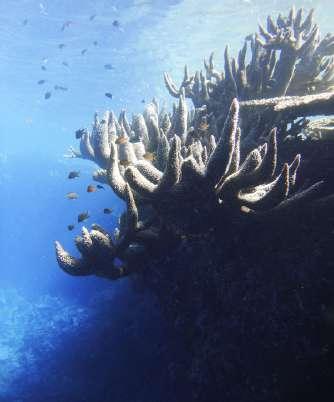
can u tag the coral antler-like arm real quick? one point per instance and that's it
(71, 265)
(132, 212)
(172, 88)
(294, 106)
(211, 72)
(98, 250)
(172, 172)
(219, 158)
(101, 143)
(115, 179)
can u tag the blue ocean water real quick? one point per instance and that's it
(86, 339)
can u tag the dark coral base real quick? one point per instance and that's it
(255, 309)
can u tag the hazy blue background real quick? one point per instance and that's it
(64, 338)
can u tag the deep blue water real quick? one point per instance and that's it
(86, 339)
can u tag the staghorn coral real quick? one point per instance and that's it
(287, 58)
(99, 250)
(187, 169)
(230, 233)
(201, 183)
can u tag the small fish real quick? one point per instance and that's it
(72, 195)
(124, 163)
(25, 22)
(42, 9)
(58, 87)
(150, 156)
(66, 24)
(83, 51)
(107, 211)
(108, 66)
(64, 63)
(91, 189)
(143, 101)
(40, 82)
(61, 45)
(121, 140)
(116, 24)
(43, 68)
(95, 43)
(79, 133)
(70, 227)
(203, 126)
(92, 17)
(108, 95)
(73, 174)
(100, 187)
(83, 216)
(47, 95)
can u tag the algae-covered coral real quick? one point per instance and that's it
(221, 177)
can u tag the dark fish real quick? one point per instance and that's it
(116, 24)
(58, 87)
(70, 227)
(83, 216)
(108, 66)
(203, 126)
(107, 210)
(61, 45)
(150, 156)
(121, 140)
(66, 24)
(91, 189)
(79, 133)
(100, 187)
(43, 68)
(95, 43)
(143, 101)
(64, 63)
(92, 17)
(25, 22)
(108, 95)
(124, 163)
(40, 82)
(47, 95)
(72, 195)
(73, 174)
(83, 51)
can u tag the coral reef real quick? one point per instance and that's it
(201, 183)
(208, 189)
(287, 58)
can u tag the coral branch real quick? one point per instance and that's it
(294, 106)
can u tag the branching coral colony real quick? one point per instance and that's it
(185, 172)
